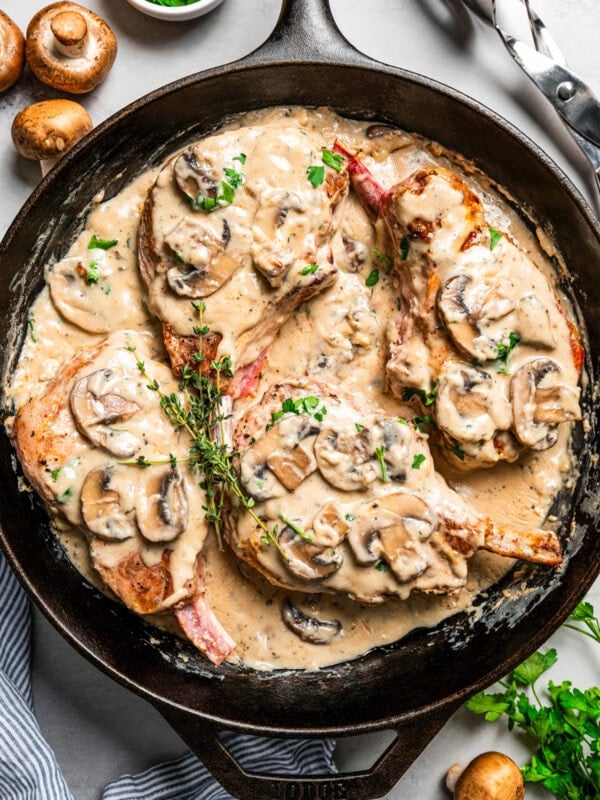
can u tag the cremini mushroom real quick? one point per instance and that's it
(329, 527)
(309, 629)
(12, 52)
(282, 235)
(107, 506)
(471, 404)
(162, 506)
(352, 456)
(97, 401)
(69, 47)
(45, 131)
(305, 559)
(489, 776)
(394, 528)
(196, 176)
(280, 459)
(201, 264)
(540, 401)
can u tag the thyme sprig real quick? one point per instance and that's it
(198, 409)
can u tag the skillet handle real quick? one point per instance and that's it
(306, 31)
(413, 735)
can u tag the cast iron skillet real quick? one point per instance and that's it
(412, 687)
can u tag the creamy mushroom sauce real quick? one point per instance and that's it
(338, 337)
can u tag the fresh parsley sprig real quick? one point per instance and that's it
(566, 730)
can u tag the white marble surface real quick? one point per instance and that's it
(98, 729)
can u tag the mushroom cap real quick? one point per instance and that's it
(490, 776)
(69, 47)
(49, 128)
(12, 52)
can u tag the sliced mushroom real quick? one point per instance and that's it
(471, 404)
(202, 264)
(282, 235)
(107, 509)
(533, 323)
(195, 175)
(98, 400)
(540, 401)
(281, 459)
(395, 528)
(162, 506)
(345, 457)
(309, 629)
(329, 527)
(69, 47)
(305, 559)
(469, 315)
(347, 454)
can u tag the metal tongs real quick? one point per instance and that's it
(571, 97)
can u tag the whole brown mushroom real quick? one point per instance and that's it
(69, 47)
(44, 131)
(489, 776)
(12, 52)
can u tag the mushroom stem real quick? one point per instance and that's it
(70, 30)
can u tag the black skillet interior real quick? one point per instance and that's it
(430, 670)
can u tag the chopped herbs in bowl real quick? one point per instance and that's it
(174, 10)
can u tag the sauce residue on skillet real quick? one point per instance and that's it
(338, 338)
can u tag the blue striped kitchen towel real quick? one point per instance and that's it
(28, 768)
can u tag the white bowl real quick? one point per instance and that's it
(175, 13)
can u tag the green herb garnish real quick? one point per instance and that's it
(359, 427)
(404, 248)
(54, 474)
(372, 278)
(101, 244)
(93, 274)
(333, 160)
(428, 398)
(309, 269)
(304, 405)
(382, 257)
(381, 566)
(504, 350)
(495, 237)
(418, 422)
(65, 496)
(418, 459)
(458, 451)
(300, 531)
(565, 729)
(315, 175)
(380, 454)
(241, 158)
(32, 329)
(350, 517)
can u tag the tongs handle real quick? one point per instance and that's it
(569, 94)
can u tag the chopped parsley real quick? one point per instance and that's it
(404, 248)
(300, 531)
(236, 179)
(333, 160)
(180, 258)
(93, 273)
(358, 427)
(101, 244)
(428, 398)
(54, 474)
(418, 422)
(418, 460)
(315, 175)
(225, 193)
(142, 461)
(381, 566)
(380, 453)
(372, 278)
(106, 288)
(65, 496)
(350, 517)
(304, 405)
(458, 451)
(241, 158)
(309, 269)
(504, 350)
(495, 237)
(402, 421)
